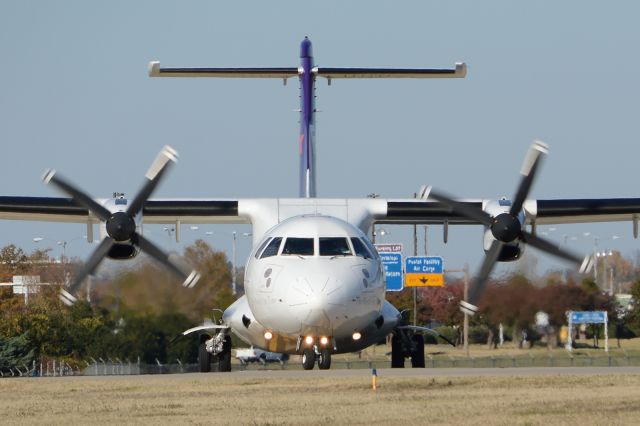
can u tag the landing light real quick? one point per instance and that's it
(268, 335)
(356, 335)
(324, 340)
(308, 340)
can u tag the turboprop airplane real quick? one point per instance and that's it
(314, 283)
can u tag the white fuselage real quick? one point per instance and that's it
(313, 276)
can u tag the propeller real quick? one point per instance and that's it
(507, 227)
(121, 225)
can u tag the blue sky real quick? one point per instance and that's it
(75, 96)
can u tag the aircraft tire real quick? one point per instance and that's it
(224, 359)
(308, 359)
(417, 355)
(397, 356)
(204, 359)
(324, 360)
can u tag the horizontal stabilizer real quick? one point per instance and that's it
(459, 72)
(156, 71)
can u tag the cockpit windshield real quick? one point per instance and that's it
(334, 246)
(298, 246)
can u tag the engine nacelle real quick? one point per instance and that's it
(510, 251)
(122, 251)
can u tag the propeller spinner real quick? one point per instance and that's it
(507, 227)
(121, 225)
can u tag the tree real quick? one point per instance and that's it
(633, 317)
(153, 290)
(513, 304)
(15, 352)
(443, 304)
(13, 261)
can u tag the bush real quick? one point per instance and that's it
(450, 333)
(478, 334)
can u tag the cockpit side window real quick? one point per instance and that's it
(360, 248)
(334, 246)
(272, 248)
(262, 246)
(371, 248)
(298, 246)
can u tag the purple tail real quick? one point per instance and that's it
(307, 136)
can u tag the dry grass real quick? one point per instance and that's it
(318, 399)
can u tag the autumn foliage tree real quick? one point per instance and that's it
(133, 316)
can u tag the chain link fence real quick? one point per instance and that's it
(111, 367)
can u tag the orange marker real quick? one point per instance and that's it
(374, 377)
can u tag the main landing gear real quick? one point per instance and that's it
(311, 355)
(218, 347)
(407, 344)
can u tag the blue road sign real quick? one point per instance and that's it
(424, 271)
(392, 263)
(588, 317)
(424, 265)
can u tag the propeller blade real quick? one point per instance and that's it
(96, 257)
(461, 208)
(83, 199)
(163, 160)
(549, 247)
(480, 282)
(528, 172)
(189, 276)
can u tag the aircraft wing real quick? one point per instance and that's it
(57, 209)
(586, 210)
(400, 211)
(539, 212)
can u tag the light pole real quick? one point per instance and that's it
(596, 255)
(234, 240)
(373, 227)
(169, 231)
(381, 232)
(604, 255)
(233, 263)
(63, 244)
(565, 240)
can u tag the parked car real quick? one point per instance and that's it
(252, 354)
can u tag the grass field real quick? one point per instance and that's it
(628, 347)
(321, 399)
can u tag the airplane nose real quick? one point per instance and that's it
(319, 299)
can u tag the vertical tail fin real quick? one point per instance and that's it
(307, 122)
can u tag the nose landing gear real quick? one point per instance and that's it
(310, 355)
